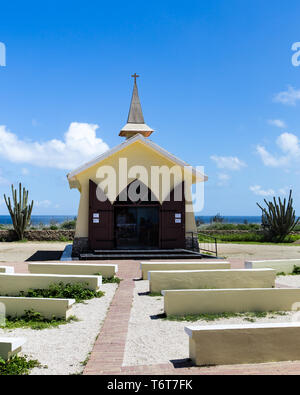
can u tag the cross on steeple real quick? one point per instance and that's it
(135, 76)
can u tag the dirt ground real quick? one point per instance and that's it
(20, 252)
(37, 251)
(256, 252)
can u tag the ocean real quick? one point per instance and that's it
(40, 219)
(232, 219)
(58, 219)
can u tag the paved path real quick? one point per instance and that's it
(108, 352)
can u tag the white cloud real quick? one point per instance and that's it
(79, 145)
(289, 97)
(257, 190)
(228, 162)
(42, 203)
(289, 144)
(278, 123)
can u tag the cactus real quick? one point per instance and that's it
(20, 212)
(278, 219)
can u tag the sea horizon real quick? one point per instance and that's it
(59, 219)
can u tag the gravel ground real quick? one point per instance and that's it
(291, 281)
(153, 341)
(63, 349)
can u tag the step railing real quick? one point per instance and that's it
(207, 244)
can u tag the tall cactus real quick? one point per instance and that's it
(278, 219)
(20, 212)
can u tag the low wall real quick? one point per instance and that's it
(7, 269)
(10, 346)
(13, 284)
(210, 279)
(280, 265)
(200, 265)
(106, 270)
(38, 235)
(246, 343)
(202, 301)
(16, 307)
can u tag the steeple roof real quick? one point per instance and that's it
(135, 122)
(135, 112)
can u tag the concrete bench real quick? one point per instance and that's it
(10, 346)
(202, 301)
(13, 284)
(48, 307)
(280, 265)
(238, 344)
(210, 279)
(7, 269)
(106, 270)
(205, 265)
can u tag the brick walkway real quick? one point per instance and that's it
(107, 354)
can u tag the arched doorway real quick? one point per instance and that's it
(136, 218)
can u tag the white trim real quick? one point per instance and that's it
(128, 142)
(190, 329)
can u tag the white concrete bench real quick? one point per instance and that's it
(214, 301)
(13, 284)
(210, 279)
(280, 265)
(204, 265)
(246, 343)
(47, 307)
(106, 270)
(10, 346)
(7, 269)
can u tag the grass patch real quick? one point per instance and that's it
(154, 294)
(295, 272)
(34, 320)
(251, 316)
(77, 291)
(109, 280)
(17, 366)
(248, 238)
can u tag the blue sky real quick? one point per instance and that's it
(217, 84)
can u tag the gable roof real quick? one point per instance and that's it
(126, 143)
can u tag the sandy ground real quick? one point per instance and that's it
(254, 251)
(63, 349)
(22, 251)
(152, 340)
(290, 281)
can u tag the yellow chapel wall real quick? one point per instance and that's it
(136, 154)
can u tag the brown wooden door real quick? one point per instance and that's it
(101, 221)
(172, 221)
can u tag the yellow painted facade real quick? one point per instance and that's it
(138, 153)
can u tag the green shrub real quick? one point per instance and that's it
(296, 270)
(68, 224)
(53, 227)
(109, 280)
(34, 320)
(77, 291)
(17, 366)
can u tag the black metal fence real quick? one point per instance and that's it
(207, 244)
